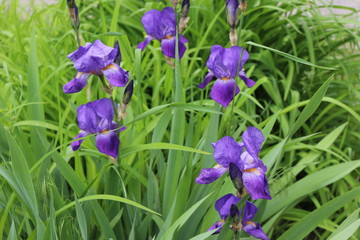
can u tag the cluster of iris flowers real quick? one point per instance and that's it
(246, 169)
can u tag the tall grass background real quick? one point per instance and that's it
(306, 101)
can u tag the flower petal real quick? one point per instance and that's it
(116, 75)
(208, 175)
(247, 162)
(219, 225)
(209, 76)
(224, 91)
(256, 183)
(214, 52)
(227, 150)
(255, 230)
(246, 80)
(249, 211)
(253, 139)
(108, 143)
(86, 118)
(167, 23)
(168, 47)
(76, 84)
(223, 204)
(76, 145)
(151, 22)
(143, 44)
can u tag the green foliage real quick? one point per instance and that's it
(306, 65)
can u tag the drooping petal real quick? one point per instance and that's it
(246, 80)
(227, 150)
(224, 91)
(255, 230)
(151, 22)
(76, 145)
(76, 84)
(209, 76)
(256, 183)
(168, 47)
(108, 143)
(253, 139)
(143, 44)
(116, 75)
(219, 225)
(249, 211)
(223, 204)
(208, 175)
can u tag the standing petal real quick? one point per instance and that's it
(253, 139)
(167, 23)
(150, 21)
(255, 230)
(256, 183)
(223, 205)
(168, 47)
(227, 150)
(76, 145)
(143, 44)
(86, 118)
(224, 91)
(214, 52)
(116, 75)
(246, 80)
(249, 211)
(78, 83)
(108, 143)
(208, 175)
(209, 76)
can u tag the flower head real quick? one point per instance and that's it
(97, 118)
(246, 168)
(226, 206)
(97, 59)
(225, 65)
(161, 25)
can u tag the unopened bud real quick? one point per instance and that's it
(128, 92)
(243, 5)
(232, 7)
(70, 3)
(185, 8)
(74, 16)
(118, 55)
(236, 177)
(235, 213)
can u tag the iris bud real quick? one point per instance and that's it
(232, 7)
(236, 177)
(128, 92)
(118, 55)
(185, 8)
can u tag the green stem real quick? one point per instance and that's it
(77, 37)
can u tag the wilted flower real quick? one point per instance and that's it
(225, 64)
(97, 118)
(226, 206)
(161, 25)
(97, 59)
(252, 170)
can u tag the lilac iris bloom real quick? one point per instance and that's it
(225, 206)
(225, 64)
(97, 118)
(252, 170)
(161, 25)
(95, 59)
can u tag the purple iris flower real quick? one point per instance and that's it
(225, 207)
(225, 64)
(245, 156)
(97, 59)
(97, 118)
(161, 25)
